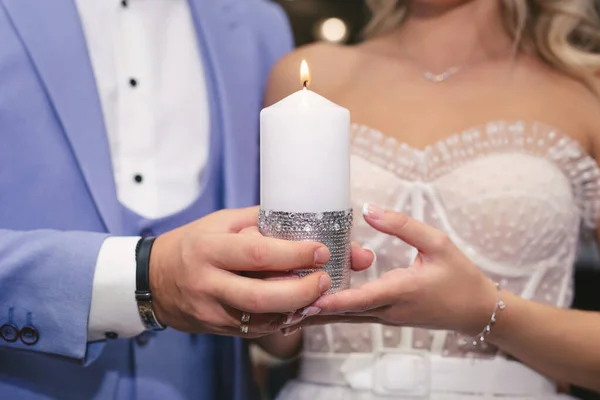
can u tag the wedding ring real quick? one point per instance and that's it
(244, 322)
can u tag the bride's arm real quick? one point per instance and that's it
(443, 289)
(561, 344)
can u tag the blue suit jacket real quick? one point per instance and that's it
(58, 201)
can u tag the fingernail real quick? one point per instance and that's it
(372, 252)
(324, 283)
(291, 331)
(310, 311)
(372, 211)
(293, 319)
(322, 256)
(289, 319)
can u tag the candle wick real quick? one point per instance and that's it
(305, 84)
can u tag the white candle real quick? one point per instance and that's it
(305, 153)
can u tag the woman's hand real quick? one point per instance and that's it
(443, 289)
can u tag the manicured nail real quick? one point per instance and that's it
(290, 318)
(372, 252)
(310, 311)
(324, 283)
(290, 331)
(293, 319)
(322, 256)
(372, 211)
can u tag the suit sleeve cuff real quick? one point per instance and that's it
(114, 308)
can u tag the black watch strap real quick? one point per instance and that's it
(143, 294)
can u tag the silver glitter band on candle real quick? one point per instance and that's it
(332, 228)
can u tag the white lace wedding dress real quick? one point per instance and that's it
(512, 196)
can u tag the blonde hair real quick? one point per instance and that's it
(565, 34)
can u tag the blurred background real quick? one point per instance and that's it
(341, 21)
(335, 21)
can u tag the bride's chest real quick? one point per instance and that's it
(513, 192)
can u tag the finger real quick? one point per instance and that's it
(339, 319)
(326, 320)
(371, 295)
(242, 218)
(291, 330)
(251, 230)
(230, 221)
(425, 238)
(259, 296)
(362, 258)
(258, 324)
(236, 219)
(236, 252)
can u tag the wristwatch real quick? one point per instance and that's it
(143, 295)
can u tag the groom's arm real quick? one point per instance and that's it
(46, 278)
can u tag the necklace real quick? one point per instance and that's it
(430, 76)
(448, 73)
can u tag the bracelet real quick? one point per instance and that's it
(143, 295)
(488, 328)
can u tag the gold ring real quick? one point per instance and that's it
(244, 322)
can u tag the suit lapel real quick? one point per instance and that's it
(51, 31)
(225, 44)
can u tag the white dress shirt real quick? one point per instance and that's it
(151, 84)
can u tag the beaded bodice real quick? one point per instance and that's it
(512, 196)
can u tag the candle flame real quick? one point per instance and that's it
(304, 74)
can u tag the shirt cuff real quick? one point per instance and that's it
(114, 308)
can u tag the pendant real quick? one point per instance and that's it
(430, 76)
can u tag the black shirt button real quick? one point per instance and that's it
(9, 332)
(138, 178)
(124, 3)
(29, 335)
(133, 82)
(111, 335)
(146, 232)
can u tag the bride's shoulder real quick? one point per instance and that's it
(330, 68)
(580, 105)
(592, 110)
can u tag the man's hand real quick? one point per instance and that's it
(195, 275)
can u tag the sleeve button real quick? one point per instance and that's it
(9, 332)
(29, 335)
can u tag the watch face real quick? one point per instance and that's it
(9, 332)
(29, 335)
